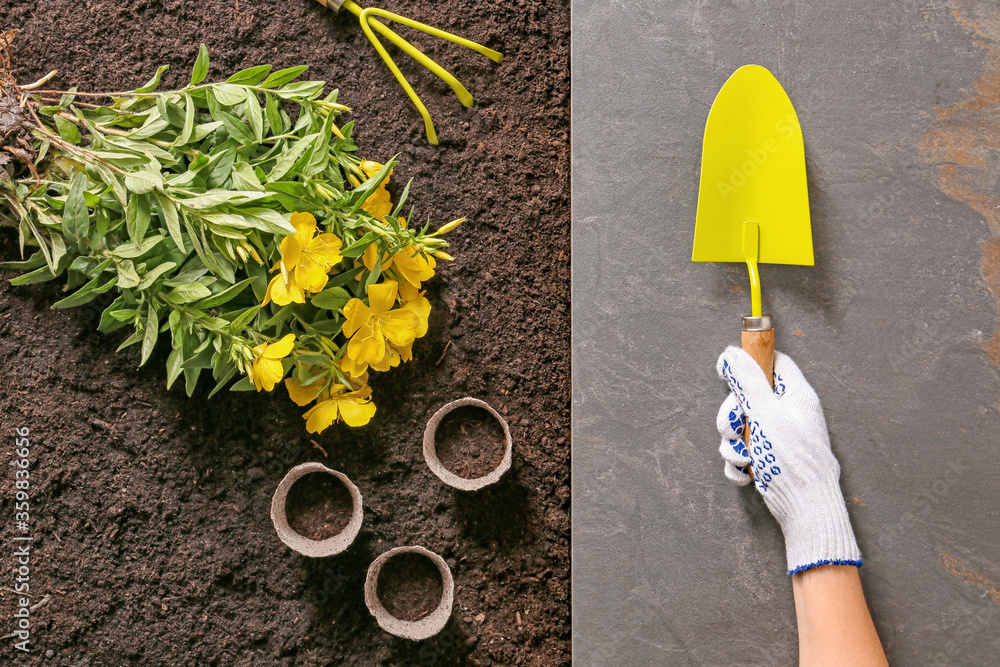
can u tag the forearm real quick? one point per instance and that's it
(834, 625)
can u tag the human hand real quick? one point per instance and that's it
(794, 468)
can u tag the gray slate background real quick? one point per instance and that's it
(671, 564)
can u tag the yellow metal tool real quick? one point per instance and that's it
(368, 17)
(753, 202)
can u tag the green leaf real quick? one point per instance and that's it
(357, 248)
(150, 331)
(200, 70)
(243, 319)
(37, 276)
(289, 157)
(137, 216)
(153, 83)
(127, 275)
(293, 196)
(250, 76)
(214, 198)
(168, 212)
(174, 366)
(86, 293)
(224, 296)
(283, 76)
(273, 114)
(150, 276)
(203, 130)
(76, 216)
(256, 116)
(116, 185)
(226, 377)
(142, 182)
(244, 384)
(301, 90)
(68, 130)
(229, 95)
(332, 298)
(131, 250)
(191, 380)
(151, 129)
(131, 340)
(33, 262)
(237, 128)
(187, 129)
(172, 112)
(264, 219)
(188, 293)
(244, 178)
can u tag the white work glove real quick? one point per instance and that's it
(794, 469)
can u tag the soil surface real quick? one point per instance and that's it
(470, 442)
(318, 506)
(152, 540)
(409, 586)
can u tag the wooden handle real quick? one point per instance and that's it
(760, 346)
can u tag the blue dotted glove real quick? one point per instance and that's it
(794, 468)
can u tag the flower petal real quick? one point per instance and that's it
(284, 293)
(367, 345)
(325, 249)
(303, 395)
(400, 326)
(291, 251)
(269, 373)
(305, 226)
(356, 315)
(356, 412)
(353, 368)
(321, 415)
(310, 276)
(280, 349)
(382, 297)
(420, 307)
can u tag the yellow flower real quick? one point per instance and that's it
(354, 408)
(283, 291)
(303, 394)
(308, 255)
(413, 266)
(369, 256)
(370, 327)
(267, 369)
(378, 203)
(414, 301)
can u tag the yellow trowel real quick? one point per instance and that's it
(753, 203)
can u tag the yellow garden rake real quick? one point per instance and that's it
(370, 24)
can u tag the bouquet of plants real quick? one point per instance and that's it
(235, 216)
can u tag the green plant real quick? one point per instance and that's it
(183, 202)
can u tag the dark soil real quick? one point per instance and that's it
(409, 586)
(470, 442)
(150, 511)
(318, 506)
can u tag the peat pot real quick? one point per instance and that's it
(480, 440)
(325, 518)
(427, 602)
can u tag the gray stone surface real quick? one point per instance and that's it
(671, 564)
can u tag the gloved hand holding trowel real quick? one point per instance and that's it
(753, 207)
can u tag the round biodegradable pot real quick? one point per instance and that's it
(315, 548)
(422, 628)
(446, 475)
